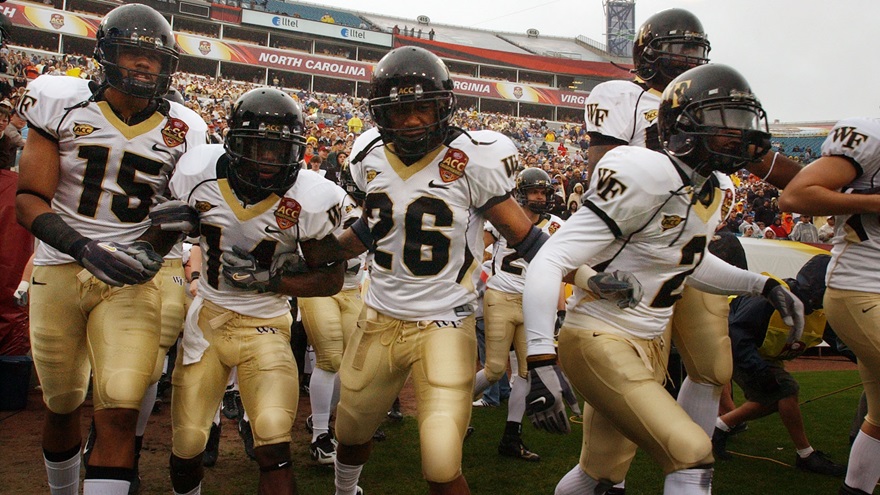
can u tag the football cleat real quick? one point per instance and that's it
(394, 414)
(229, 406)
(310, 426)
(247, 437)
(819, 463)
(481, 402)
(513, 446)
(379, 436)
(90, 444)
(616, 491)
(212, 448)
(719, 444)
(739, 428)
(847, 490)
(323, 449)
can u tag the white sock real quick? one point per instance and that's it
(321, 398)
(700, 401)
(863, 470)
(804, 453)
(195, 491)
(146, 408)
(721, 425)
(576, 482)
(347, 478)
(516, 405)
(481, 383)
(64, 476)
(688, 482)
(105, 487)
(309, 365)
(621, 485)
(514, 364)
(245, 417)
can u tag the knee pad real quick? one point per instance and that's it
(329, 364)
(67, 402)
(188, 443)
(271, 425)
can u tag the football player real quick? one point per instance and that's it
(843, 182)
(329, 323)
(254, 209)
(96, 158)
(650, 213)
(502, 308)
(429, 188)
(625, 113)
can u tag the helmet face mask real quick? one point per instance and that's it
(710, 119)
(265, 143)
(411, 101)
(532, 179)
(132, 31)
(668, 44)
(346, 181)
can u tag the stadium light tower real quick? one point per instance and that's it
(620, 26)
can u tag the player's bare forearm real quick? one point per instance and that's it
(322, 282)
(778, 173)
(336, 249)
(39, 170)
(161, 240)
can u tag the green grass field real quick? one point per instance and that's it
(765, 466)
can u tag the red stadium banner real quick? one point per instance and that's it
(226, 13)
(33, 16)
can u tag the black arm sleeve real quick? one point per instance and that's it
(51, 229)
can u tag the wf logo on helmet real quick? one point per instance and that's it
(453, 164)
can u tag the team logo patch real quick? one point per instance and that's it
(174, 132)
(371, 174)
(203, 206)
(204, 47)
(287, 214)
(80, 130)
(56, 21)
(349, 209)
(452, 165)
(727, 204)
(670, 221)
(651, 115)
(553, 228)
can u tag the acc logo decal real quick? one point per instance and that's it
(80, 130)
(651, 115)
(349, 209)
(174, 132)
(670, 221)
(727, 204)
(203, 206)
(287, 214)
(452, 165)
(56, 21)
(204, 47)
(553, 228)
(371, 174)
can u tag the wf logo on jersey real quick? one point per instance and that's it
(204, 47)
(848, 137)
(204, 206)
(596, 115)
(56, 21)
(80, 130)
(670, 221)
(174, 132)
(607, 186)
(371, 174)
(287, 214)
(452, 165)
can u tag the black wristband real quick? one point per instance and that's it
(362, 231)
(771, 284)
(560, 313)
(531, 243)
(54, 231)
(194, 275)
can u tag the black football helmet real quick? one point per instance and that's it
(403, 80)
(667, 44)
(174, 95)
(265, 143)
(710, 119)
(5, 29)
(530, 179)
(136, 27)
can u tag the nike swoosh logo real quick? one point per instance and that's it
(160, 150)
(539, 400)
(270, 230)
(38, 283)
(869, 309)
(240, 276)
(437, 186)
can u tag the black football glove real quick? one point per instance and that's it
(790, 308)
(20, 296)
(619, 286)
(544, 404)
(175, 216)
(120, 264)
(560, 319)
(241, 270)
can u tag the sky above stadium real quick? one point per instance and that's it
(807, 60)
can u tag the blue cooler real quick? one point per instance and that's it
(15, 379)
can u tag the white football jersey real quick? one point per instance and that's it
(311, 209)
(508, 270)
(109, 171)
(856, 241)
(640, 216)
(353, 267)
(426, 222)
(625, 111)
